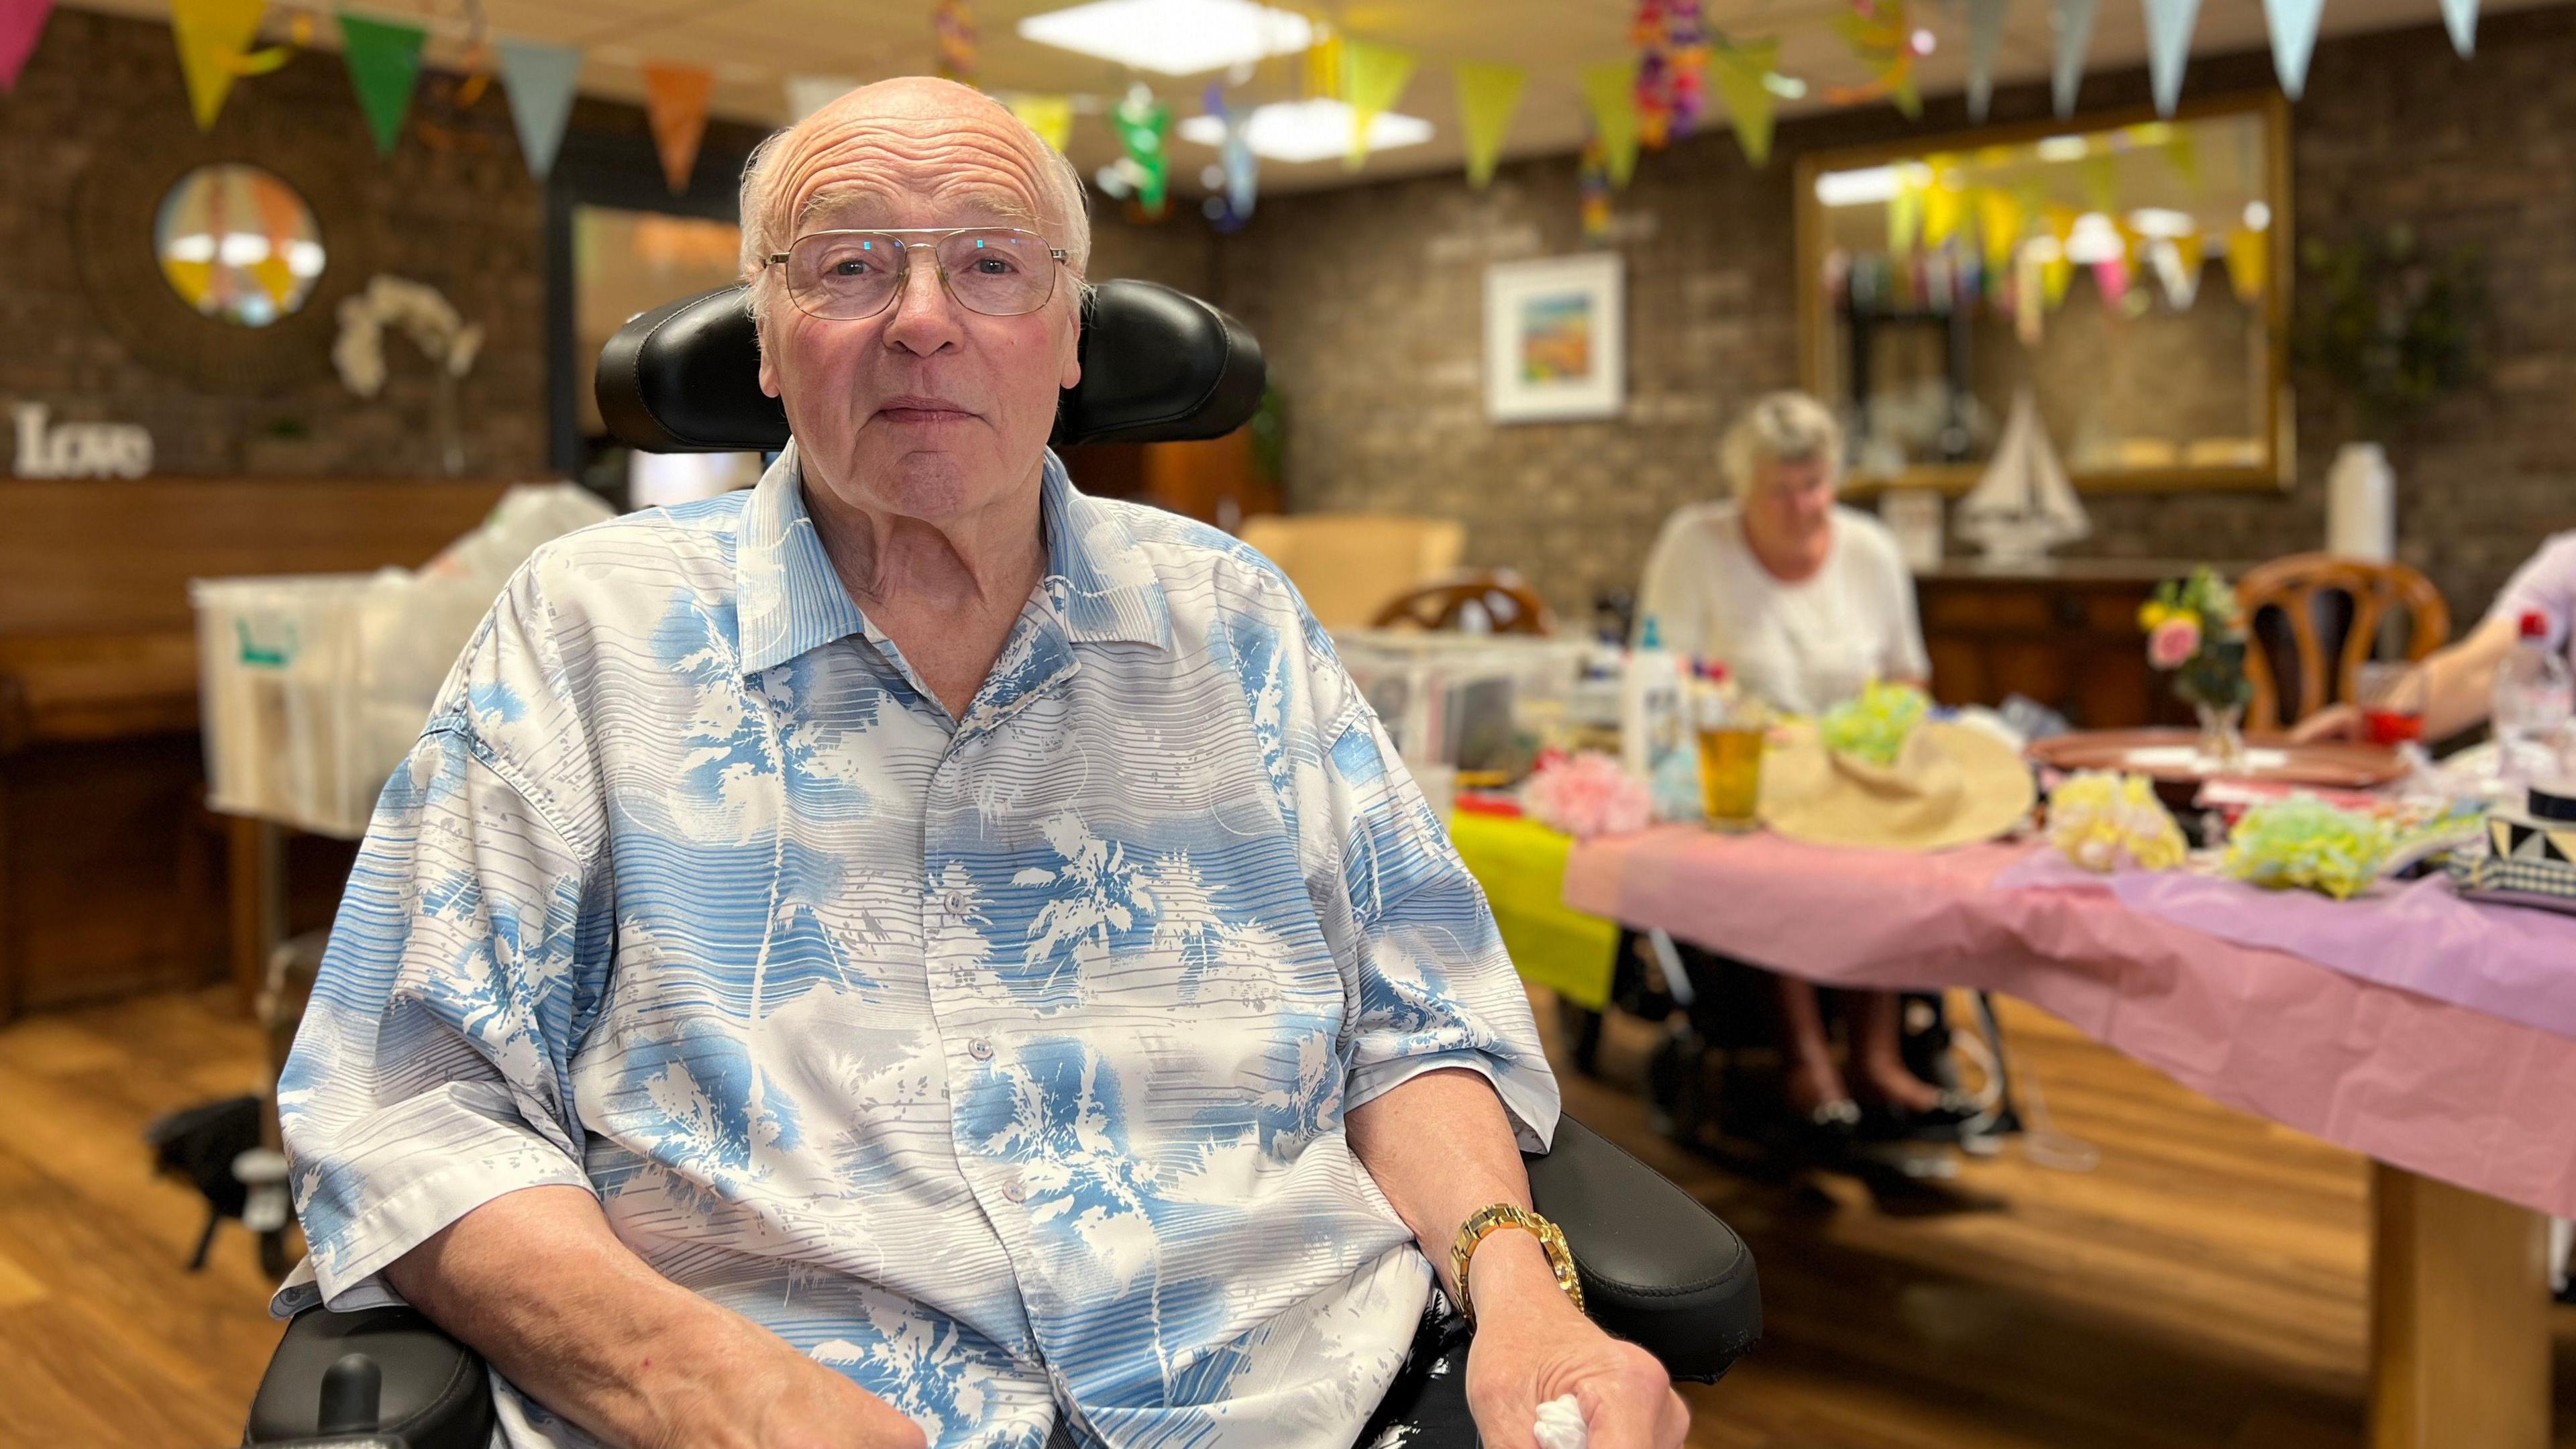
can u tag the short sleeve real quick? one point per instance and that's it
(1670, 590)
(2546, 584)
(1428, 981)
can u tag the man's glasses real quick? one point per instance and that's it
(844, 276)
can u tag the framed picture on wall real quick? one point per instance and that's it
(1555, 339)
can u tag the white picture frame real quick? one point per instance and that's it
(1556, 339)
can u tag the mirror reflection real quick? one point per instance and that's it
(236, 242)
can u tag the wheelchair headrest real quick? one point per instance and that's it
(1157, 366)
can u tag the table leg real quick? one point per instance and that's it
(256, 850)
(2459, 1317)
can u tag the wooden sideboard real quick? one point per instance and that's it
(2064, 634)
(112, 877)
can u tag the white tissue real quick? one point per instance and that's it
(1560, 1424)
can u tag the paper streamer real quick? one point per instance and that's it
(952, 34)
(1373, 80)
(1672, 66)
(2169, 25)
(1985, 39)
(212, 36)
(807, 94)
(1742, 73)
(384, 68)
(1050, 116)
(1144, 127)
(1487, 97)
(21, 21)
(2461, 18)
(2293, 24)
(1592, 189)
(2066, 65)
(675, 104)
(1881, 37)
(1231, 208)
(540, 80)
(1610, 97)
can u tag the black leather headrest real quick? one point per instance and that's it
(1157, 366)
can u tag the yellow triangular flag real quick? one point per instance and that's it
(213, 36)
(1324, 65)
(1999, 220)
(1943, 204)
(1487, 96)
(2055, 275)
(1373, 79)
(1739, 72)
(1904, 211)
(2249, 262)
(1050, 116)
(2192, 250)
(1610, 95)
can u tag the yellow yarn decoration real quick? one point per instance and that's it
(2102, 821)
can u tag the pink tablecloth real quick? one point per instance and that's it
(2444, 1090)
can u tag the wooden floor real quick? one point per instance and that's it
(2202, 1287)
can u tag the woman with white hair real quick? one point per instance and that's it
(1804, 601)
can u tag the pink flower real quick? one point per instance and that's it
(2173, 642)
(1585, 796)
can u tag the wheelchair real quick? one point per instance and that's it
(1657, 1268)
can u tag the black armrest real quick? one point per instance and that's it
(432, 1391)
(1658, 1269)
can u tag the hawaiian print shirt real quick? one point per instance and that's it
(999, 1063)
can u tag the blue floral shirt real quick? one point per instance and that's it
(999, 1063)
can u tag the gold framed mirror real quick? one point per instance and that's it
(2129, 273)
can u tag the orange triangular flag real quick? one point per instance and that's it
(675, 101)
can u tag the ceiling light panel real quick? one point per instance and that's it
(1172, 37)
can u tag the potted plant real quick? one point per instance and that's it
(2196, 633)
(2391, 328)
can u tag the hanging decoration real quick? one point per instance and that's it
(1324, 65)
(1144, 127)
(1610, 98)
(807, 94)
(1487, 97)
(2293, 25)
(1943, 204)
(1050, 116)
(1999, 224)
(540, 82)
(21, 21)
(952, 35)
(2066, 64)
(1592, 181)
(1672, 62)
(1985, 40)
(1229, 209)
(1885, 41)
(675, 105)
(2249, 263)
(1373, 80)
(2460, 17)
(1746, 75)
(213, 36)
(1905, 210)
(2169, 25)
(384, 68)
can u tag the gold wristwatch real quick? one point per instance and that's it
(1487, 1220)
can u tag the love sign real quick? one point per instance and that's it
(79, 450)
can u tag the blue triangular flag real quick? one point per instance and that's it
(1985, 37)
(2074, 19)
(2461, 16)
(2168, 46)
(2293, 24)
(540, 80)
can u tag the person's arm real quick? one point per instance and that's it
(539, 1283)
(2458, 682)
(1669, 592)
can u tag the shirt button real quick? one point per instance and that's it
(980, 1049)
(1013, 1192)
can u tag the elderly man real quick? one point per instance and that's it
(914, 954)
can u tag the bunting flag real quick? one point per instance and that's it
(1672, 63)
(1487, 97)
(540, 80)
(1985, 39)
(1373, 80)
(2100, 175)
(1743, 75)
(213, 35)
(675, 104)
(1904, 212)
(2066, 64)
(1943, 205)
(1231, 208)
(2461, 18)
(807, 94)
(2169, 25)
(1050, 116)
(21, 21)
(1999, 223)
(2293, 24)
(1592, 188)
(2056, 274)
(952, 35)
(1884, 40)
(1324, 65)
(384, 68)
(2111, 279)
(1144, 127)
(2249, 263)
(1610, 98)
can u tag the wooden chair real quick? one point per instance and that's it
(2323, 608)
(1348, 565)
(1510, 606)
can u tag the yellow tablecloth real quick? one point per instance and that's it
(1521, 865)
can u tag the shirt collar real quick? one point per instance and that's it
(789, 600)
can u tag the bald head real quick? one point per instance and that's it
(915, 135)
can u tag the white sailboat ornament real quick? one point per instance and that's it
(2023, 506)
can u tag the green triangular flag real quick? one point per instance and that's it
(1487, 96)
(384, 67)
(1739, 72)
(1610, 96)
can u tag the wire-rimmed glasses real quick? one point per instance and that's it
(846, 276)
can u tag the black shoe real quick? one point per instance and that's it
(1940, 1122)
(1829, 1131)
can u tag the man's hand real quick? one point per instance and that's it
(2334, 722)
(1533, 1345)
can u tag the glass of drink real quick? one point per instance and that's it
(1731, 732)
(2391, 699)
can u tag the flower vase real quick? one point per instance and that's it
(2221, 747)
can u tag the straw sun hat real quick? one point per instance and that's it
(1951, 784)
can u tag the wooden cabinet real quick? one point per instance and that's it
(2065, 634)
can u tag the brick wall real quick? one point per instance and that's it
(1368, 301)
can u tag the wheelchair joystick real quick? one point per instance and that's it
(351, 1390)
